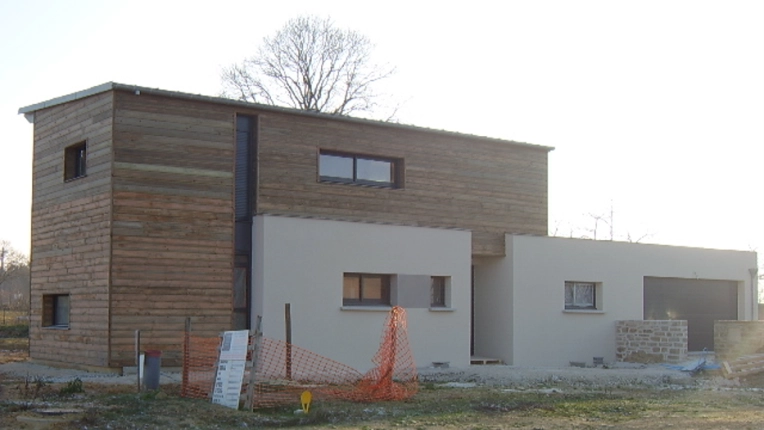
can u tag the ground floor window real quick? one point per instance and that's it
(55, 312)
(580, 295)
(365, 289)
(438, 292)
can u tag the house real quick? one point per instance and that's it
(153, 206)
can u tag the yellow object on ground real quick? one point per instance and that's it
(305, 399)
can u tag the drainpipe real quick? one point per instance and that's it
(754, 287)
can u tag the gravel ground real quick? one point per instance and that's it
(22, 369)
(614, 376)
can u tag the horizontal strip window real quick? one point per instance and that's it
(360, 169)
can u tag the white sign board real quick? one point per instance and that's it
(230, 372)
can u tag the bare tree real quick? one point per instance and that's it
(14, 278)
(312, 65)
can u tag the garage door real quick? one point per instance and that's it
(699, 301)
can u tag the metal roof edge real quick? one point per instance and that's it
(68, 98)
(249, 105)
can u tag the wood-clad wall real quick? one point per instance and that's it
(173, 219)
(145, 240)
(71, 231)
(488, 186)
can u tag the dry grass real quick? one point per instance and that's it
(103, 406)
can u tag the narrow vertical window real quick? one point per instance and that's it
(438, 292)
(75, 161)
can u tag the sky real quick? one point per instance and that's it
(655, 108)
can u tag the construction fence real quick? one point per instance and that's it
(282, 372)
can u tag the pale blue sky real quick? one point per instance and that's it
(657, 106)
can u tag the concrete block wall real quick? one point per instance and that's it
(733, 339)
(654, 341)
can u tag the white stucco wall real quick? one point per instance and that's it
(302, 261)
(542, 333)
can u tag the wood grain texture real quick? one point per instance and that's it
(490, 187)
(172, 240)
(71, 232)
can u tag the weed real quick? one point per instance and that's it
(32, 387)
(72, 387)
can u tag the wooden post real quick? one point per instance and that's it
(288, 321)
(249, 401)
(138, 358)
(185, 371)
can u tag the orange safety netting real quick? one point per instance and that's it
(284, 371)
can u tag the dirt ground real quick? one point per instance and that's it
(479, 397)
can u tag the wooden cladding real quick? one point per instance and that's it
(71, 223)
(156, 228)
(172, 224)
(487, 186)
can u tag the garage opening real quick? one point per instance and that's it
(699, 301)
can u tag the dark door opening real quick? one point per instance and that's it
(698, 301)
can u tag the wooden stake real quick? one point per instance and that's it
(288, 321)
(138, 358)
(249, 401)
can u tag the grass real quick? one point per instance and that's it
(8, 317)
(14, 337)
(14, 331)
(430, 409)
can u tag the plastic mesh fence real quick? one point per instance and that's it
(284, 371)
(200, 356)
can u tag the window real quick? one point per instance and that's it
(438, 292)
(360, 169)
(75, 158)
(55, 312)
(362, 289)
(580, 295)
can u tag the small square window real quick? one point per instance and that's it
(438, 292)
(55, 312)
(75, 161)
(580, 295)
(363, 289)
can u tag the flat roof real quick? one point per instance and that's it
(115, 86)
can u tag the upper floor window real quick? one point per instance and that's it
(360, 169)
(75, 158)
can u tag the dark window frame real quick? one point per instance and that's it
(396, 170)
(438, 292)
(53, 315)
(75, 161)
(361, 300)
(574, 285)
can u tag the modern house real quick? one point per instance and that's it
(153, 206)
